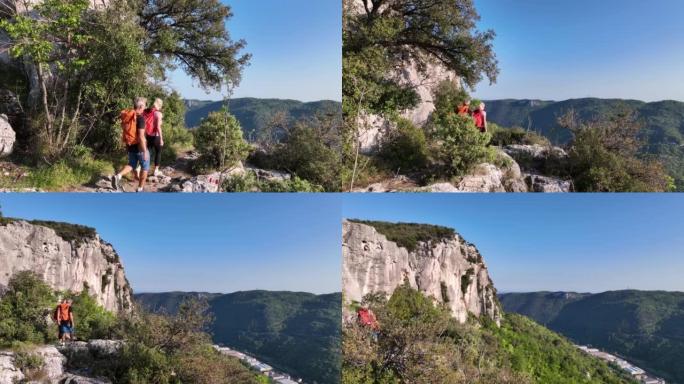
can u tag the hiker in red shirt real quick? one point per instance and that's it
(480, 118)
(464, 109)
(367, 319)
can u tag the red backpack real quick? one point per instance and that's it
(365, 317)
(151, 121)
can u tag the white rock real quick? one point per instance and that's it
(7, 136)
(65, 265)
(373, 264)
(53, 361)
(8, 372)
(538, 183)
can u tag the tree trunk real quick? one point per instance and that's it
(46, 106)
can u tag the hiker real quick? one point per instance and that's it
(133, 125)
(480, 117)
(64, 317)
(367, 319)
(464, 109)
(153, 133)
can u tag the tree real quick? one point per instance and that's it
(380, 37)
(604, 155)
(219, 140)
(24, 310)
(192, 34)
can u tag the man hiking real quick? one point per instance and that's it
(480, 118)
(133, 126)
(367, 319)
(464, 109)
(153, 133)
(64, 317)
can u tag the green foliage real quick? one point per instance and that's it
(219, 141)
(448, 96)
(92, 321)
(384, 36)
(192, 35)
(404, 148)
(296, 332)
(25, 309)
(642, 326)
(603, 156)
(413, 327)
(457, 145)
(249, 183)
(409, 235)
(67, 231)
(516, 135)
(308, 149)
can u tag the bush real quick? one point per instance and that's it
(516, 135)
(92, 320)
(404, 148)
(219, 141)
(310, 150)
(249, 183)
(604, 156)
(447, 97)
(457, 145)
(25, 310)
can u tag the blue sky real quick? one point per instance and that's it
(583, 242)
(296, 48)
(216, 243)
(569, 49)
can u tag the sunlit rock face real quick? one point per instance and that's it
(451, 271)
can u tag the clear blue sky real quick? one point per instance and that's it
(582, 242)
(216, 243)
(296, 48)
(601, 48)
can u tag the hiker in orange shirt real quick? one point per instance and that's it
(464, 109)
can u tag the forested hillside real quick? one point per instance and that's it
(644, 326)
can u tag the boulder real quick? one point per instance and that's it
(537, 158)
(9, 373)
(7, 136)
(539, 183)
(53, 361)
(487, 177)
(203, 183)
(76, 379)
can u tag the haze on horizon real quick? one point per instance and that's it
(555, 242)
(559, 50)
(206, 243)
(296, 48)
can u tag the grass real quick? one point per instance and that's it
(63, 175)
(408, 235)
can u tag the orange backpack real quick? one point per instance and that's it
(128, 125)
(62, 312)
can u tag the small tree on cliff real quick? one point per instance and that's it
(24, 310)
(219, 141)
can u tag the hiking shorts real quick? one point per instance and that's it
(65, 328)
(136, 158)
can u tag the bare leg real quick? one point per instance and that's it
(125, 171)
(142, 178)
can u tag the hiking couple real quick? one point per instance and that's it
(366, 318)
(479, 115)
(63, 315)
(142, 134)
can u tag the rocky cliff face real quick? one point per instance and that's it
(451, 271)
(74, 264)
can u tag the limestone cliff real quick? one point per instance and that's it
(450, 270)
(66, 260)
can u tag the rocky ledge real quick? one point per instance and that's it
(55, 363)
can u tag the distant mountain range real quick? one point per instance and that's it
(296, 332)
(663, 123)
(646, 327)
(254, 114)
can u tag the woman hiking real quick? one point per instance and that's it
(153, 133)
(480, 118)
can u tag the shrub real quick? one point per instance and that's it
(249, 183)
(516, 135)
(92, 320)
(404, 148)
(25, 309)
(447, 97)
(219, 141)
(457, 145)
(604, 156)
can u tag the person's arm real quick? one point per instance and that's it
(142, 141)
(484, 117)
(160, 117)
(71, 316)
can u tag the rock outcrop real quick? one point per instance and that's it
(54, 362)
(7, 136)
(451, 271)
(65, 261)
